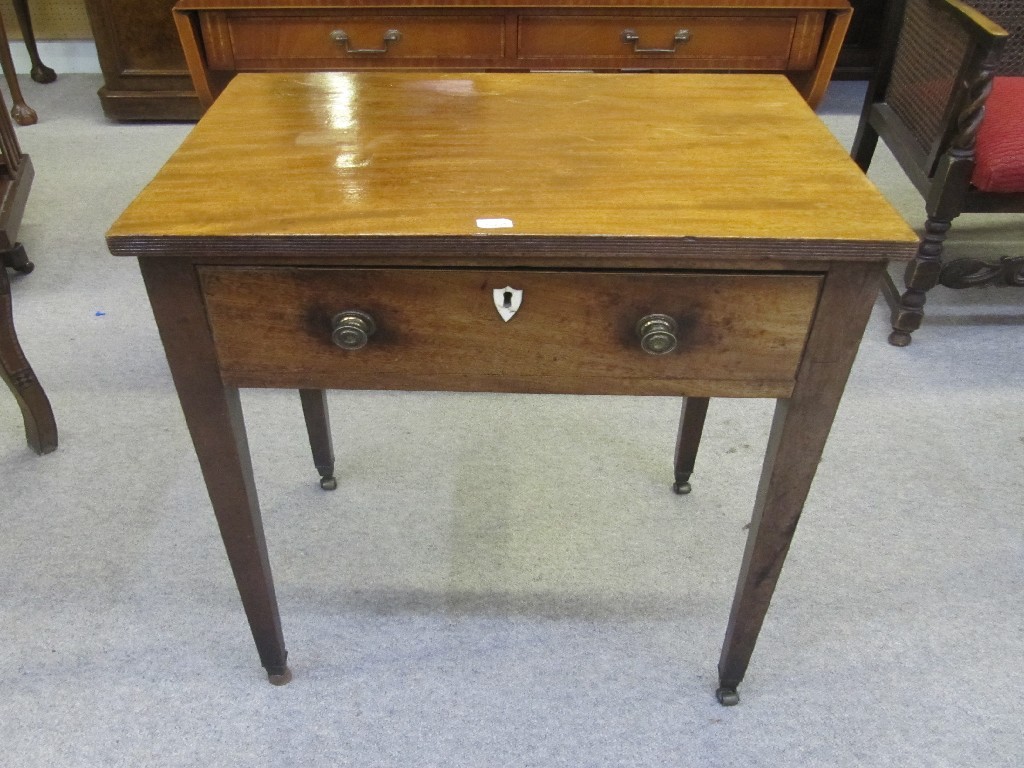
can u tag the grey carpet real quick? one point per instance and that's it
(498, 580)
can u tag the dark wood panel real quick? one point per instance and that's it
(862, 48)
(144, 71)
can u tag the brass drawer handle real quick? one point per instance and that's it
(657, 334)
(351, 329)
(629, 36)
(341, 37)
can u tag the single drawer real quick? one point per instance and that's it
(573, 332)
(298, 41)
(685, 40)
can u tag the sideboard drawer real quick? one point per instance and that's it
(691, 41)
(296, 41)
(574, 331)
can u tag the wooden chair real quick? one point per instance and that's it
(15, 179)
(948, 100)
(22, 113)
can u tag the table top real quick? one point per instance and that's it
(595, 157)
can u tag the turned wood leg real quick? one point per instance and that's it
(22, 113)
(40, 72)
(213, 414)
(40, 427)
(691, 427)
(318, 425)
(799, 430)
(922, 274)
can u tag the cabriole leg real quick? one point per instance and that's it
(40, 427)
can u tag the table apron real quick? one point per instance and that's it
(733, 334)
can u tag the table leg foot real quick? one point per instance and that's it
(318, 426)
(279, 675)
(43, 74)
(727, 697)
(23, 114)
(899, 338)
(17, 259)
(682, 487)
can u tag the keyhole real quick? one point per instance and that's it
(508, 300)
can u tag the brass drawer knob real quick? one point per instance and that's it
(351, 329)
(657, 334)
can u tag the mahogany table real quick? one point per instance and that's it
(689, 235)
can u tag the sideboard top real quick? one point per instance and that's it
(682, 5)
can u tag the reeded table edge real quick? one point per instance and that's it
(552, 250)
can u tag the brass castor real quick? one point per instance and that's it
(328, 483)
(727, 697)
(681, 488)
(280, 678)
(899, 338)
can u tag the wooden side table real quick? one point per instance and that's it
(687, 235)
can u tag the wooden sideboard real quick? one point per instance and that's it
(146, 78)
(801, 38)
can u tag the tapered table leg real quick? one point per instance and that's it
(214, 416)
(318, 426)
(691, 427)
(799, 430)
(40, 427)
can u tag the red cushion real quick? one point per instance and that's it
(999, 159)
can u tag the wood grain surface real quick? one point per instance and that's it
(365, 155)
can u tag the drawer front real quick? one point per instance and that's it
(268, 41)
(690, 41)
(572, 332)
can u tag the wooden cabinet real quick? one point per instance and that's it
(801, 38)
(144, 72)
